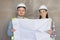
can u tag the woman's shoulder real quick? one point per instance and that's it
(50, 19)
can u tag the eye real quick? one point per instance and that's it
(42, 11)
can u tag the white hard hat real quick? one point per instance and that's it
(43, 7)
(21, 5)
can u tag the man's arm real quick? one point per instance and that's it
(9, 29)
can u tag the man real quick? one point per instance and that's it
(21, 10)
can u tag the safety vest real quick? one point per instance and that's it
(12, 37)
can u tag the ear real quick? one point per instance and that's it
(40, 14)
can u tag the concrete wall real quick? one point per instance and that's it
(8, 10)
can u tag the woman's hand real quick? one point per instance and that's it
(13, 30)
(50, 32)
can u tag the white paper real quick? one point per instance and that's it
(31, 29)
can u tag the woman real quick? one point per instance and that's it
(43, 15)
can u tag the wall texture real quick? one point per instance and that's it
(8, 10)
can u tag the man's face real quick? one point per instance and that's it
(21, 11)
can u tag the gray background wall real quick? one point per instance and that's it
(8, 10)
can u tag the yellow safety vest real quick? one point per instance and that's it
(12, 37)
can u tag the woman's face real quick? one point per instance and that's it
(43, 13)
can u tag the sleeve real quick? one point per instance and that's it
(9, 33)
(54, 30)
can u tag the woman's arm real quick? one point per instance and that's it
(54, 30)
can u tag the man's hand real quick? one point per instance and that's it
(13, 30)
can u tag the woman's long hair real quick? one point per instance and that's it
(46, 14)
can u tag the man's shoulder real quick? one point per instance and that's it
(14, 18)
(25, 18)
